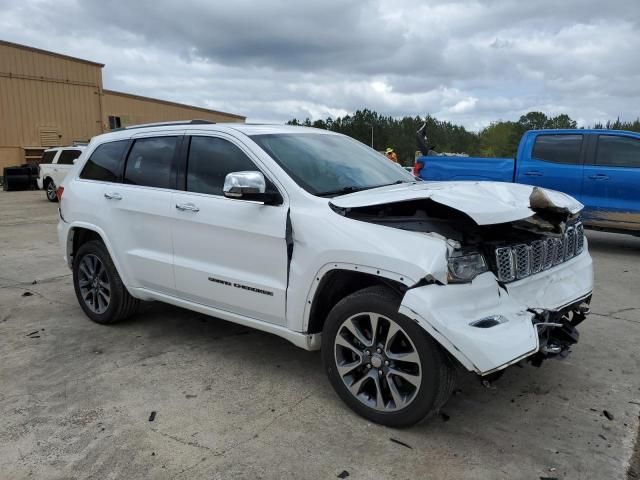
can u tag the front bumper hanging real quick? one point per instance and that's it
(557, 330)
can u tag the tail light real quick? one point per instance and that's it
(59, 193)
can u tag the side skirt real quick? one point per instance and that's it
(302, 340)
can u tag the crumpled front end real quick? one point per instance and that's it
(518, 273)
(488, 325)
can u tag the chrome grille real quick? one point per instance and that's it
(558, 252)
(506, 268)
(579, 238)
(549, 255)
(536, 256)
(522, 260)
(521, 254)
(569, 243)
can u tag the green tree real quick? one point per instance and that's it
(561, 121)
(500, 139)
(533, 121)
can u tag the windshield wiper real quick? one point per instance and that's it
(352, 189)
(397, 182)
(342, 191)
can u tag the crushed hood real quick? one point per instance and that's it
(486, 203)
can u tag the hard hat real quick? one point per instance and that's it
(388, 150)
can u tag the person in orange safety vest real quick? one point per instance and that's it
(391, 155)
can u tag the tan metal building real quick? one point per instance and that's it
(48, 99)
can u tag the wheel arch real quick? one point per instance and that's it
(80, 233)
(46, 180)
(335, 281)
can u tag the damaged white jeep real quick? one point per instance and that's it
(314, 237)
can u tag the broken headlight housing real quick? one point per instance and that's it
(464, 267)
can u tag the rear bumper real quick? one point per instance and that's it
(40, 183)
(449, 312)
(63, 237)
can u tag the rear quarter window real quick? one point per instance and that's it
(104, 162)
(68, 156)
(558, 148)
(47, 157)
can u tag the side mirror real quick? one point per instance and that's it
(250, 186)
(74, 160)
(245, 185)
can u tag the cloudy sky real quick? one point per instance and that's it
(470, 62)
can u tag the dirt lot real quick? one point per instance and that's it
(76, 397)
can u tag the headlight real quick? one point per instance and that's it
(465, 267)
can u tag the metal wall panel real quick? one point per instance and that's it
(10, 156)
(44, 95)
(29, 107)
(31, 62)
(134, 109)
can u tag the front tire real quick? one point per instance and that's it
(383, 365)
(99, 289)
(50, 188)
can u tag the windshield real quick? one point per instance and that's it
(329, 165)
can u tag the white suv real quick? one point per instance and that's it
(55, 164)
(312, 236)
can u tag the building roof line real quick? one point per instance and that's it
(113, 92)
(47, 52)
(174, 104)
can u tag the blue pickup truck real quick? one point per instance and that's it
(600, 168)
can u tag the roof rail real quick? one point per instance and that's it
(166, 124)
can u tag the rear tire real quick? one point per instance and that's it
(50, 188)
(98, 286)
(383, 365)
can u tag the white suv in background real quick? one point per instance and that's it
(313, 236)
(55, 164)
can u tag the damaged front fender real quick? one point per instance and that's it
(457, 324)
(487, 326)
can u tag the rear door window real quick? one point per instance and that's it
(210, 160)
(150, 162)
(68, 156)
(618, 151)
(558, 148)
(104, 162)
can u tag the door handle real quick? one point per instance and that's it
(599, 176)
(532, 173)
(113, 196)
(188, 207)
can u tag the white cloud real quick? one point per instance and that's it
(464, 106)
